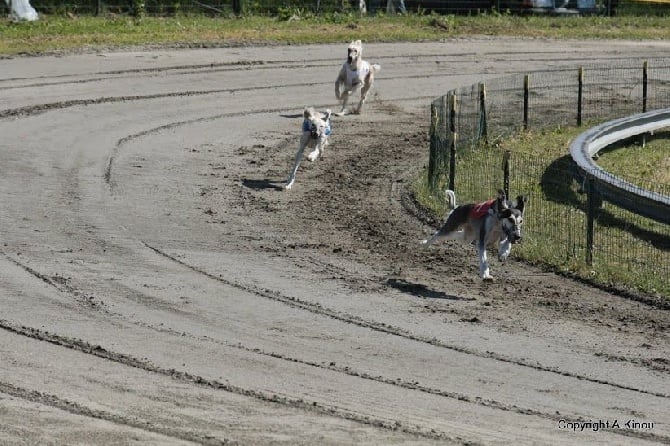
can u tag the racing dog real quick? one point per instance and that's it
(355, 74)
(484, 224)
(315, 133)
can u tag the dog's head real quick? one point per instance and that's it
(510, 215)
(354, 53)
(316, 122)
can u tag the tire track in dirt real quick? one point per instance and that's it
(125, 140)
(236, 66)
(213, 67)
(78, 409)
(61, 284)
(296, 403)
(128, 360)
(32, 110)
(389, 329)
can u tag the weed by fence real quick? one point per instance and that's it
(566, 226)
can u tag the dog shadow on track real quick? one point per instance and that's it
(263, 184)
(420, 290)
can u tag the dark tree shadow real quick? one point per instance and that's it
(263, 184)
(420, 290)
(557, 186)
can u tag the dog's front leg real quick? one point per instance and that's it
(504, 250)
(484, 272)
(319, 148)
(314, 154)
(364, 96)
(304, 139)
(344, 97)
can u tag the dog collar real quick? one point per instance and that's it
(307, 127)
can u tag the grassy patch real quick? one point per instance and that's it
(63, 32)
(647, 165)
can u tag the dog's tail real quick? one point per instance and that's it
(451, 199)
(375, 67)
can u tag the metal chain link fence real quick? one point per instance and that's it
(619, 246)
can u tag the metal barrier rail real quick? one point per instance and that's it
(613, 189)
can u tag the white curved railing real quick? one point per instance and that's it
(613, 189)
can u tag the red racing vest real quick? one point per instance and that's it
(480, 209)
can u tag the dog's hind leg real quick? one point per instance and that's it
(444, 235)
(446, 232)
(482, 241)
(304, 139)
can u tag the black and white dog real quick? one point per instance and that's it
(315, 133)
(483, 224)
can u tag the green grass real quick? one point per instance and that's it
(647, 164)
(62, 32)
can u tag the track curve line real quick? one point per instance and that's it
(98, 351)
(389, 329)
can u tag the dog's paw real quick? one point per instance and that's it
(425, 244)
(288, 185)
(487, 278)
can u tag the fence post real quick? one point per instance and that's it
(580, 92)
(644, 87)
(526, 88)
(452, 141)
(483, 132)
(432, 159)
(643, 137)
(506, 157)
(591, 205)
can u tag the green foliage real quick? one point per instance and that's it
(301, 24)
(641, 161)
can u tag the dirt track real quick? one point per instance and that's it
(157, 287)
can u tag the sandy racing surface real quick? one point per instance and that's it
(157, 286)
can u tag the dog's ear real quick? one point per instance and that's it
(501, 202)
(520, 202)
(308, 112)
